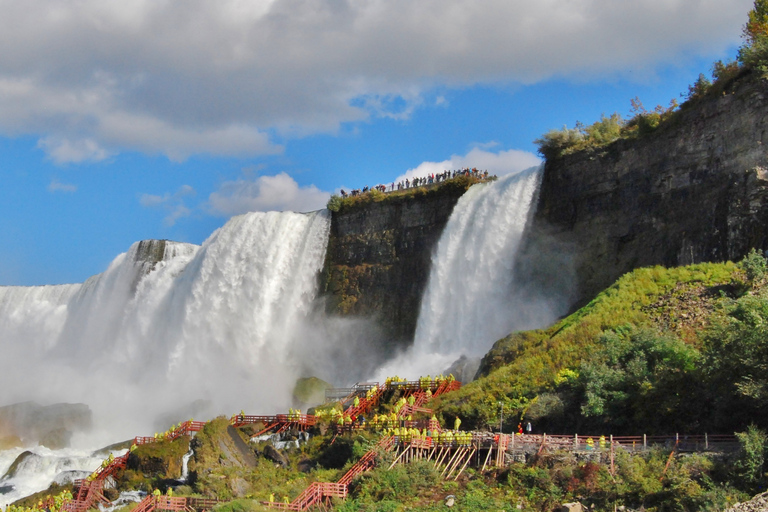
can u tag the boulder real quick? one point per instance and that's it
(274, 455)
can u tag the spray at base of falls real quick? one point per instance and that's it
(472, 298)
(38, 467)
(215, 322)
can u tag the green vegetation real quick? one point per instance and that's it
(535, 370)
(310, 391)
(453, 186)
(752, 60)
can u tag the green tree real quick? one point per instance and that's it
(736, 365)
(750, 465)
(639, 379)
(754, 52)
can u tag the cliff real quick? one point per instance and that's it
(379, 252)
(695, 190)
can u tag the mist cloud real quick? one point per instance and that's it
(94, 78)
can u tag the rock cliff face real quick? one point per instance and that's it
(379, 253)
(694, 190)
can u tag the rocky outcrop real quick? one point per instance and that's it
(378, 256)
(695, 190)
(50, 425)
(757, 504)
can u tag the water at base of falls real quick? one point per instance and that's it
(36, 468)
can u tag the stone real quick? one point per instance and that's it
(274, 455)
(571, 507)
(692, 191)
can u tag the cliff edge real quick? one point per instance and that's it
(695, 190)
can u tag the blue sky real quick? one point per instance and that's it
(122, 121)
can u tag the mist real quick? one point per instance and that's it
(476, 292)
(208, 329)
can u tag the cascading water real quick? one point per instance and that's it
(151, 334)
(185, 466)
(471, 299)
(25, 472)
(166, 324)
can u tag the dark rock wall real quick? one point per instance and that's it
(693, 191)
(378, 258)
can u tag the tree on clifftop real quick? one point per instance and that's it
(754, 52)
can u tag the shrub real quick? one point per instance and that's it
(750, 466)
(699, 88)
(556, 143)
(755, 266)
(334, 203)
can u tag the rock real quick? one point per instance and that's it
(692, 191)
(309, 391)
(571, 507)
(378, 260)
(757, 504)
(9, 442)
(450, 500)
(274, 455)
(239, 486)
(56, 439)
(51, 425)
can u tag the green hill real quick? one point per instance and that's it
(660, 351)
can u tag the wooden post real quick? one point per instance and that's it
(613, 471)
(706, 441)
(645, 442)
(575, 441)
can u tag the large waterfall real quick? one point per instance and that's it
(472, 298)
(169, 323)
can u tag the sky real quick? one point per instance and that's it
(123, 120)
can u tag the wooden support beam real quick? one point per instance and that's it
(487, 457)
(465, 464)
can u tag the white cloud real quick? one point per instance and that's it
(180, 77)
(172, 204)
(266, 193)
(57, 186)
(500, 163)
(62, 150)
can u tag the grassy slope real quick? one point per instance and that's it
(524, 364)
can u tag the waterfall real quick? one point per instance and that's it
(168, 323)
(185, 466)
(27, 472)
(472, 299)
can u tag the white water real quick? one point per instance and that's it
(185, 466)
(218, 322)
(471, 299)
(42, 467)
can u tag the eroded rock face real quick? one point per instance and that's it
(379, 255)
(695, 190)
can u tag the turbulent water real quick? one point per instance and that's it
(472, 299)
(39, 467)
(221, 322)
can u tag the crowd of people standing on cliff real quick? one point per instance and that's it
(420, 182)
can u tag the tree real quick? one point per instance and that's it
(736, 365)
(754, 51)
(639, 379)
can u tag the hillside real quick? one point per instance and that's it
(661, 350)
